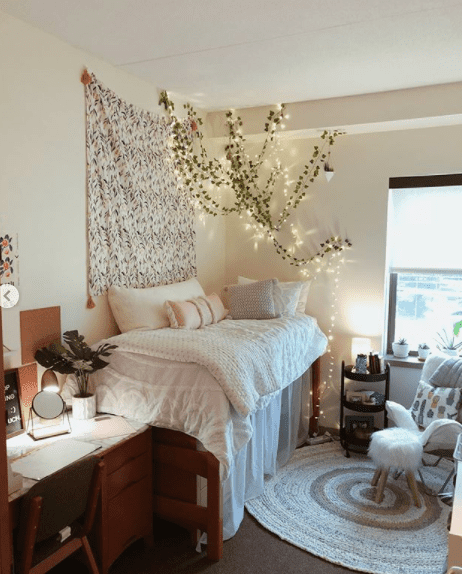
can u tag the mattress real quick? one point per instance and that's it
(186, 396)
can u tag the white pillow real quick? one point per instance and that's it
(284, 294)
(144, 308)
(401, 416)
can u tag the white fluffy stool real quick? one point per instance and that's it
(395, 448)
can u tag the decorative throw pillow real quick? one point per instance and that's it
(289, 296)
(204, 311)
(138, 308)
(253, 301)
(216, 307)
(183, 315)
(432, 403)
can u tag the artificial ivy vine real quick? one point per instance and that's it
(241, 174)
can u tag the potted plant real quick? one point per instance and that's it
(78, 360)
(400, 348)
(423, 350)
(446, 343)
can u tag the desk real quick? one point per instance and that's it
(124, 511)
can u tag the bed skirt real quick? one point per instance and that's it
(277, 431)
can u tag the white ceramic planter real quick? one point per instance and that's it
(400, 351)
(423, 353)
(450, 352)
(84, 407)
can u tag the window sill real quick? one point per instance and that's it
(411, 362)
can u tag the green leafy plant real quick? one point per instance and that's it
(423, 346)
(446, 340)
(253, 192)
(79, 359)
(402, 341)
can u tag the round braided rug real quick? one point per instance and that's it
(323, 502)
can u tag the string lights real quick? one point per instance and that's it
(253, 193)
(333, 269)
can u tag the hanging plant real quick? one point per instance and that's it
(252, 191)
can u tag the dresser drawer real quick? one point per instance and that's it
(129, 516)
(123, 454)
(131, 472)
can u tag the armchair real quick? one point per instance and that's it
(436, 412)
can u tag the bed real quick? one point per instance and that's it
(226, 402)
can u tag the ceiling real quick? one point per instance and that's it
(218, 54)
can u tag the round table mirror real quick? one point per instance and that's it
(48, 405)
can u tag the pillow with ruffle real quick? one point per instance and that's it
(195, 313)
(216, 307)
(183, 315)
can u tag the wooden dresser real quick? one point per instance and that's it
(125, 505)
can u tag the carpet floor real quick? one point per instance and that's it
(253, 550)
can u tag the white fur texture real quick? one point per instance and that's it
(396, 448)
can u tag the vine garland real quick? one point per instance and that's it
(241, 174)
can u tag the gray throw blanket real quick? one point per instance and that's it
(448, 374)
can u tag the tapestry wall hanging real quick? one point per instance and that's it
(140, 221)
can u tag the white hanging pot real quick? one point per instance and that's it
(84, 407)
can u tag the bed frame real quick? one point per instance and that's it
(176, 465)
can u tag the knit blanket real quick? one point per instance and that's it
(250, 359)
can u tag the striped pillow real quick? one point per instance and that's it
(253, 301)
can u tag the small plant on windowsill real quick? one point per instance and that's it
(401, 348)
(446, 343)
(423, 350)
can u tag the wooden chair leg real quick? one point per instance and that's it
(375, 478)
(381, 486)
(89, 555)
(413, 487)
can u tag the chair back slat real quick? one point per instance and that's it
(64, 495)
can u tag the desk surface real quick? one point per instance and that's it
(20, 445)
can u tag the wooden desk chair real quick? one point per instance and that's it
(51, 505)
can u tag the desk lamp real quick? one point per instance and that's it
(47, 415)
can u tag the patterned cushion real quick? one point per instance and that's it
(253, 301)
(289, 296)
(432, 403)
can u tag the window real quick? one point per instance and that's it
(424, 258)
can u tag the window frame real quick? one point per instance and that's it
(409, 182)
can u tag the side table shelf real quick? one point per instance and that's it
(349, 440)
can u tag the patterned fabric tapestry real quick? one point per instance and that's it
(140, 222)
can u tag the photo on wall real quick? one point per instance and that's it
(9, 259)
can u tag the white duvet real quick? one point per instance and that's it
(209, 381)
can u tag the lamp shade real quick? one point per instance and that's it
(50, 381)
(359, 346)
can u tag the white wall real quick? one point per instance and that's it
(42, 176)
(353, 204)
(42, 193)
